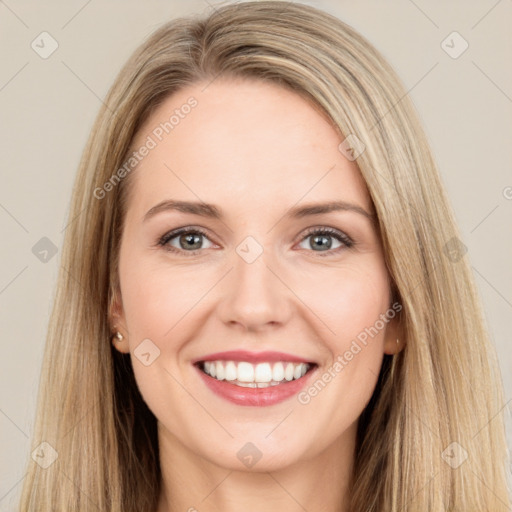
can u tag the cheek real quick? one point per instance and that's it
(156, 300)
(352, 304)
(348, 299)
(156, 297)
(344, 299)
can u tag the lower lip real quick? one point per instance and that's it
(255, 396)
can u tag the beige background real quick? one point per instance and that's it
(48, 106)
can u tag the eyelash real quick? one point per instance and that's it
(338, 235)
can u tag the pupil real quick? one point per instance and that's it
(323, 246)
(189, 241)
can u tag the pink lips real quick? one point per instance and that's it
(253, 396)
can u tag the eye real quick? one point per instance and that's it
(187, 240)
(322, 238)
(190, 240)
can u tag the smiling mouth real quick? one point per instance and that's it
(260, 375)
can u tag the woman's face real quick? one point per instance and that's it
(254, 286)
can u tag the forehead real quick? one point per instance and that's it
(247, 143)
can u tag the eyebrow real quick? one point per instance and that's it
(297, 212)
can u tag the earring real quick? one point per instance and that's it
(119, 336)
(397, 341)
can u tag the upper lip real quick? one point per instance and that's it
(252, 357)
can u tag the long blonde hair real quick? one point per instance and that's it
(436, 402)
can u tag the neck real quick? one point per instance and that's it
(194, 484)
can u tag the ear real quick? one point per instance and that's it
(117, 322)
(394, 339)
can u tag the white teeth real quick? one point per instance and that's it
(263, 373)
(245, 372)
(288, 372)
(231, 372)
(278, 372)
(219, 370)
(259, 375)
(246, 384)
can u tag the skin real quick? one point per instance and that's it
(254, 150)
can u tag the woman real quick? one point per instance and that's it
(210, 348)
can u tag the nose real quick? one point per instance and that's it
(255, 296)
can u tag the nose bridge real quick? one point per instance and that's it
(255, 296)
